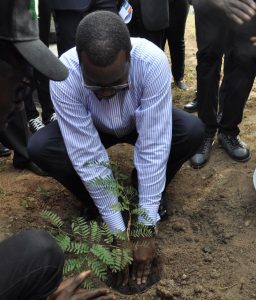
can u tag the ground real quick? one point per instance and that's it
(207, 246)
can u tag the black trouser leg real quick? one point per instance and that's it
(178, 12)
(30, 107)
(211, 33)
(15, 137)
(239, 74)
(137, 28)
(31, 266)
(66, 22)
(41, 81)
(187, 135)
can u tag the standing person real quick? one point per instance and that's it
(149, 20)
(174, 34)
(216, 36)
(118, 91)
(240, 11)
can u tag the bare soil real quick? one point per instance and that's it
(207, 246)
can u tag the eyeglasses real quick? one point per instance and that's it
(116, 88)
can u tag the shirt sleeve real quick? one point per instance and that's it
(154, 126)
(83, 143)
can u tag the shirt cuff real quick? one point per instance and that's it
(152, 216)
(104, 200)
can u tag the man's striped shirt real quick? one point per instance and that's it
(145, 106)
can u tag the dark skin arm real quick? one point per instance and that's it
(70, 290)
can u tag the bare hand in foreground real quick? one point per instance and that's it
(70, 290)
(143, 257)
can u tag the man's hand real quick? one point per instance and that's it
(69, 290)
(143, 257)
(239, 11)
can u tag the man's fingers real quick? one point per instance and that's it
(77, 281)
(244, 8)
(125, 276)
(146, 273)
(250, 3)
(140, 271)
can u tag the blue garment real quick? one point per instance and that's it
(71, 4)
(144, 106)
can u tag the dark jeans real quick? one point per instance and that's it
(174, 34)
(47, 150)
(31, 266)
(137, 28)
(216, 36)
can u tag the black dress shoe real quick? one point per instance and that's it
(191, 107)
(234, 147)
(202, 155)
(181, 85)
(4, 151)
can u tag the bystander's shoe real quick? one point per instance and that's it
(53, 117)
(191, 106)
(4, 151)
(35, 124)
(181, 85)
(202, 155)
(31, 167)
(234, 147)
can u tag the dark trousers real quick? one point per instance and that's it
(15, 137)
(137, 28)
(174, 34)
(47, 150)
(41, 82)
(31, 266)
(216, 37)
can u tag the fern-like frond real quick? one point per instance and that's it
(96, 233)
(103, 254)
(78, 248)
(80, 227)
(120, 235)
(141, 230)
(107, 234)
(52, 218)
(63, 240)
(98, 268)
(141, 212)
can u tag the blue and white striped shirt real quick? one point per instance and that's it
(145, 106)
